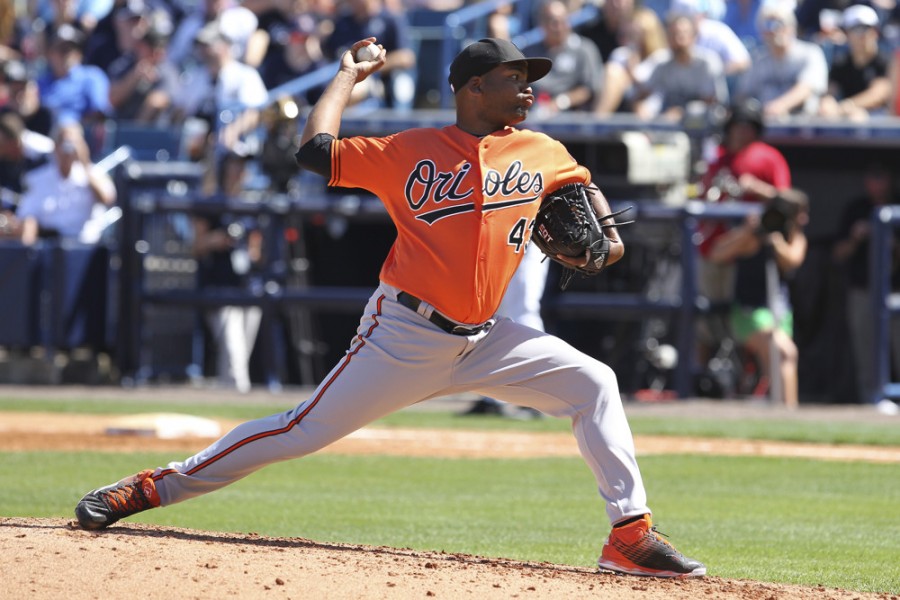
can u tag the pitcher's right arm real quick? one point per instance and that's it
(324, 120)
(325, 116)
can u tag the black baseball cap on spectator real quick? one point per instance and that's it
(485, 54)
(67, 36)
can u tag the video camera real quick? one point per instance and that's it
(781, 212)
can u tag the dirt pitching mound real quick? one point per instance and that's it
(52, 558)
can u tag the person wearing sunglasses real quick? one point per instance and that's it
(789, 75)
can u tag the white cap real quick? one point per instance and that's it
(781, 11)
(859, 14)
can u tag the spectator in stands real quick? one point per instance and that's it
(60, 196)
(21, 151)
(761, 319)
(643, 47)
(574, 83)
(691, 74)
(852, 251)
(226, 251)
(714, 35)
(606, 30)
(71, 90)
(858, 83)
(117, 33)
(294, 47)
(24, 99)
(221, 82)
(237, 23)
(110, 38)
(142, 83)
(369, 18)
(740, 16)
(789, 75)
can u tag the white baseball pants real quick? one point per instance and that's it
(399, 358)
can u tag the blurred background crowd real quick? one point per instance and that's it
(166, 63)
(214, 82)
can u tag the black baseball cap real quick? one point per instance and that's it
(67, 36)
(485, 54)
(749, 111)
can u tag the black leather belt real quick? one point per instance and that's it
(412, 303)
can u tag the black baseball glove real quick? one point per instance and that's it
(567, 225)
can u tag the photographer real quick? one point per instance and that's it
(766, 250)
(744, 168)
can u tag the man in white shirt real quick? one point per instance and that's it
(60, 196)
(221, 82)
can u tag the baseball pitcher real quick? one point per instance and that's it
(465, 200)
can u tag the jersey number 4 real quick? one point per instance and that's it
(517, 235)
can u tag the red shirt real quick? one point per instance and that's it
(759, 159)
(463, 206)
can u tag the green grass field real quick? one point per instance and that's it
(770, 519)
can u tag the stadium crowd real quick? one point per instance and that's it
(178, 65)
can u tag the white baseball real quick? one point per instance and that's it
(366, 53)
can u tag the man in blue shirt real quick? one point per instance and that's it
(71, 90)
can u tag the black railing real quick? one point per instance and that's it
(273, 296)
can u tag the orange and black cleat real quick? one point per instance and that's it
(104, 506)
(637, 548)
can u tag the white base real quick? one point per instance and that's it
(165, 426)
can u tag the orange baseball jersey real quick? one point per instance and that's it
(463, 205)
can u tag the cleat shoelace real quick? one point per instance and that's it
(660, 535)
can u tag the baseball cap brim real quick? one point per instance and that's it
(538, 67)
(484, 55)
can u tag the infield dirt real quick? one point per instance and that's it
(52, 558)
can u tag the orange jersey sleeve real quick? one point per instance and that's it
(463, 206)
